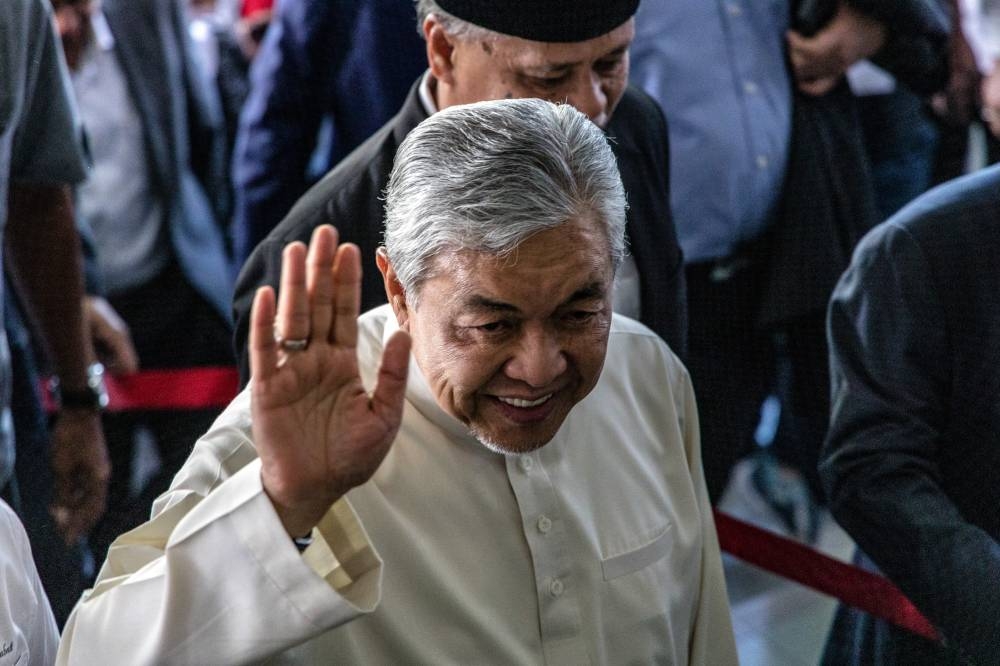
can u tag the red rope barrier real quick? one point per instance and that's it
(193, 388)
(790, 559)
(173, 389)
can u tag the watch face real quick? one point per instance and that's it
(94, 396)
(95, 381)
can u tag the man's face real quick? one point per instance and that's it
(589, 75)
(508, 346)
(73, 25)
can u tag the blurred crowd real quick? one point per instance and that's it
(794, 128)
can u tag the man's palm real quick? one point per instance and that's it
(317, 431)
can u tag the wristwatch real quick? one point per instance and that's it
(93, 397)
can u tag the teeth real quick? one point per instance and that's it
(517, 402)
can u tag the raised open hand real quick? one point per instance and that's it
(317, 432)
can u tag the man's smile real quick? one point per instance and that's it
(523, 402)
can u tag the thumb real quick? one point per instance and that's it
(390, 388)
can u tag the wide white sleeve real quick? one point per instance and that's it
(28, 632)
(213, 578)
(712, 641)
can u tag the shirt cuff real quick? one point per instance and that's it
(342, 556)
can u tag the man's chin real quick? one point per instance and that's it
(509, 445)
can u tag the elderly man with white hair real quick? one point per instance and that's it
(491, 468)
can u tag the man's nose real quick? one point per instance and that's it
(590, 99)
(539, 359)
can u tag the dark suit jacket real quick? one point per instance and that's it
(182, 126)
(912, 460)
(349, 63)
(348, 198)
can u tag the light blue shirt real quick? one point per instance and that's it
(718, 70)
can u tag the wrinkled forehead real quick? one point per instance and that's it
(566, 258)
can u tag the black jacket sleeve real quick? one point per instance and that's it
(891, 369)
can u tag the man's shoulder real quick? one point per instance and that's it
(944, 224)
(636, 113)
(956, 208)
(633, 348)
(639, 138)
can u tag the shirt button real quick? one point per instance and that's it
(733, 9)
(544, 524)
(556, 588)
(749, 87)
(526, 463)
(762, 161)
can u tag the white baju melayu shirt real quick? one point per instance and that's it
(597, 548)
(28, 633)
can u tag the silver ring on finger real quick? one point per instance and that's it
(293, 344)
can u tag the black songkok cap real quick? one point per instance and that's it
(544, 20)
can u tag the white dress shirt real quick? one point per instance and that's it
(28, 634)
(597, 548)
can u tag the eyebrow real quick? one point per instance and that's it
(482, 303)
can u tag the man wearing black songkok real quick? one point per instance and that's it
(573, 51)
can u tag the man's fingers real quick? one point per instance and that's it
(122, 358)
(319, 280)
(93, 507)
(812, 57)
(994, 126)
(798, 51)
(818, 87)
(112, 338)
(347, 285)
(796, 42)
(293, 301)
(69, 512)
(263, 346)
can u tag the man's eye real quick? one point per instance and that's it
(550, 82)
(493, 326)
(580, 316)
(608, 66)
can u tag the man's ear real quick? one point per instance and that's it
(440, 50)
(393, 289)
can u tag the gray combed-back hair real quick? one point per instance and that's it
(487, 176)
(454, 26)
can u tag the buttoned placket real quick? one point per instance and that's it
(735, 18)
(558, 606)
